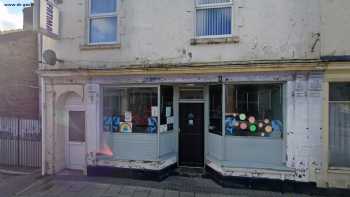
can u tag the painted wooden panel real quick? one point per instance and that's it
(250, 150)
(215, 148)
(167, 144)
(135, 146)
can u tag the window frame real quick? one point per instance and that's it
(198, 6)
(91, 16)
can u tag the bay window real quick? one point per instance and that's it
(103, 21)
(339, 124)
(254, 110)
(213, 18)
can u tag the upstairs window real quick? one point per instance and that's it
(213, 18)
(103, 22)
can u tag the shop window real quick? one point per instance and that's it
(339, 124)
(130, 110)
(254, 110)
(166, 109)
(215, 103)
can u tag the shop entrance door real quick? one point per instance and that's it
(191, 142)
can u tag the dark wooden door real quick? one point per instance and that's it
(191, 142)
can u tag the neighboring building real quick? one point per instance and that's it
(145, 86)
(335, 30)
(19, 90)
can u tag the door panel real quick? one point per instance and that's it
(191, 142)
(76, 140)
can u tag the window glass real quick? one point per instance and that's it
(130, 110)
(103, 6)
(76, 126)
(339, 91)
(339, 124)
(191, 93)
(103, 30)
(214, 21)
(166, 110)
(213, 17)
(215, 105)
(254, 110)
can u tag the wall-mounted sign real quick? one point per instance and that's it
(49, 19)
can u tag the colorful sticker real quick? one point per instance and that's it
(125, 127)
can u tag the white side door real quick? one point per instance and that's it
(76, 140)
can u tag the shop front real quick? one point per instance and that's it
(264, 125)
(216, 122)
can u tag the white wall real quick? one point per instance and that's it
(335, 27)
(159, 31)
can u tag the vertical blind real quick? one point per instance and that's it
(339, 125)
(213, 17)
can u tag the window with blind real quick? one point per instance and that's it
(339, 124)
(213, 18)
(103, 22)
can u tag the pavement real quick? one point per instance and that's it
(66, 185)
(14, 181)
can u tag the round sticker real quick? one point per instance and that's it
(251, 119)
(267, 121)
(252, 128)
(268, 129)
(242, 116)
(243, 126)
(261, 125)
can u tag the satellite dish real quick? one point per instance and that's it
(50, 57)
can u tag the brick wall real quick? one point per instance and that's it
(19, 93)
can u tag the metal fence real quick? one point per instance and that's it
(20, 143)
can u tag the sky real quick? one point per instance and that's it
(11, 16)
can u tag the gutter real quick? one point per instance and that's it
(337, 58)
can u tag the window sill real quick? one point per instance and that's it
(224, 40)
(338, 170)
(87, 47)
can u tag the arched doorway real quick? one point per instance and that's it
(72, 127)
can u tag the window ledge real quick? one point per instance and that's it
(99, 46)
(336, 170)
(224, 40)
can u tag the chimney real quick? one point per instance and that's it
(28, 18)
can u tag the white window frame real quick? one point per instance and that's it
(99, 16)
(210, 6)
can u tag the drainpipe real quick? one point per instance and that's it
(43, 125)
(42, 99)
